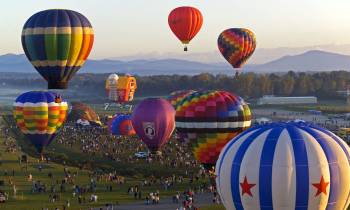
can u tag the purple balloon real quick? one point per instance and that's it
(154, 121)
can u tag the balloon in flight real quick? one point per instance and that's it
(237, 45)
(185, 22)
(40, 115)
(57, 42)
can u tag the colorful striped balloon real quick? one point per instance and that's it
(39, 115)
(57, 42)
(122, 125)
(284, 166)
(175, 97)
(208, 120)
(237, 45)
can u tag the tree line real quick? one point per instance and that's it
(324, 85)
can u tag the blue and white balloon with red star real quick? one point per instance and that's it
(284, 166)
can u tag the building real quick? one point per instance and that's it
(270, 99)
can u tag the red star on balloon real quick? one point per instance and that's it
(246, 187)
(321, 187)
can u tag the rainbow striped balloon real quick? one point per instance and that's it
(57, 42)
(292, 165)
(176, 97)
(208, 120)
(39, 115)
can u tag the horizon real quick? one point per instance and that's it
(122, 36)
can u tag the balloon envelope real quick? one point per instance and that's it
(122, 125)
(237, 45)
(208, 120)
(284, 166)
(111, 87)
(185, 23)
(39, 115)
(154, 121)
(175, 97)
(57, 42)
(126, 88)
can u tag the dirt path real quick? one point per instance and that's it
(165, 204)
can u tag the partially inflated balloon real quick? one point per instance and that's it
(208, 120)
(39, 115)
(185, 22)
(154, 121)
(237, 45)
(57, 42)
(122, 125)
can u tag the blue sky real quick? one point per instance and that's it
(127, 27)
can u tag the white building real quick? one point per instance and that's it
(270, 99)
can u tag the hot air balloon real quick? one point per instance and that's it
(83, 112)
(175, 97)
(185, 23)
(39, 115)
(284, 166)
(57, 42)
(154, 121)
(126, 88)
(111, 87)
(237, 45)
(208, 120)
(122, 125)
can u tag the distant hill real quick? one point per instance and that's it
(310, 61)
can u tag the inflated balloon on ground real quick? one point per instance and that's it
(208, 120)
(154, 121)
(176, 97)
(284, 166)
(111, 87)
(122, 125)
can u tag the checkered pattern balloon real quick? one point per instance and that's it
(209, 119)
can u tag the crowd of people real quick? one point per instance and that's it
(98, 141)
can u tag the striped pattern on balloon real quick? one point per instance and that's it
(284, 166)
(39, 115)
(57, 42)
(208, 120)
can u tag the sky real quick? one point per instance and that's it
(131, 27)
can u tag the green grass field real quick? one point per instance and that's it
(26, 200)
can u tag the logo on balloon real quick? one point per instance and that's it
(149, 129)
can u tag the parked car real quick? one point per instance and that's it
(141, 154)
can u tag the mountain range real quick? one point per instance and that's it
(314, 60)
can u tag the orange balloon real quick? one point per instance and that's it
(185, 23)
